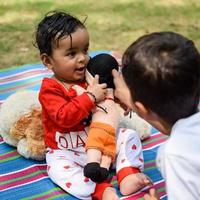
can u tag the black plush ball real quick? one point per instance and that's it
(103, 64)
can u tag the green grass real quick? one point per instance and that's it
(113, 25)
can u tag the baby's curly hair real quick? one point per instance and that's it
(53, 27)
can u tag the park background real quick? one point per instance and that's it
(112, 24)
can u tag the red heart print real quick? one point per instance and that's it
(86, 180)
(68, 184)
(134, 147)
(141, 160)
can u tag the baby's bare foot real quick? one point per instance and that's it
(134, 182)
(110, 194)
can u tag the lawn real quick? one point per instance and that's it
(112, 24)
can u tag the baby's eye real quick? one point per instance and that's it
(85, 51)
(71, 53)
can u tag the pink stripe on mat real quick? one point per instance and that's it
(8, 155)
(153, 144)
(21, 173)
(24, 181)
(154, 136)
(21, 86)
(150, 164)
(25, 74)
(49, 196)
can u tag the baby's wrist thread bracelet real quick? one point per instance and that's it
(95, 101)
(93, 96)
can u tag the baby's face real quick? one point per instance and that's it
(70, 57)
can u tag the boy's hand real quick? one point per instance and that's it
(98, 90)
(152, 195)
(122, 92)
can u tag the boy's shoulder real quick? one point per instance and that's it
(185, 137)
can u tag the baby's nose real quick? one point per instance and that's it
(82, 58)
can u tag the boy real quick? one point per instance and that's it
(162, 84)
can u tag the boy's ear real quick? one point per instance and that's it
(141, 110)
(46, 60)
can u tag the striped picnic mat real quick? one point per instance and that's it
(21, 178)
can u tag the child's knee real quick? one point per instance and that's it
(124, 191)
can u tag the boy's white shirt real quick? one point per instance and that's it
(179, 160)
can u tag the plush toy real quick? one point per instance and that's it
(20, 117)
(21, 125)
(101, 142)
(105, 119)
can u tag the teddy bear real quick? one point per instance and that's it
(21, 124)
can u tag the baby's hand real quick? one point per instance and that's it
(152, 195)
(98, 90)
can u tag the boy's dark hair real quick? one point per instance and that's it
(53, 27)
(162, 70)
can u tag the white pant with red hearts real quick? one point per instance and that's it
(65, 167)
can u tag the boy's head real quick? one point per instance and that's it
(63, 42)
(162, 71)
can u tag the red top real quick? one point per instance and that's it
(62, 111)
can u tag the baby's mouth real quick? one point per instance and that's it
(81, 69)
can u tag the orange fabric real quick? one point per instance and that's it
(124, 172)
(102, 136)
